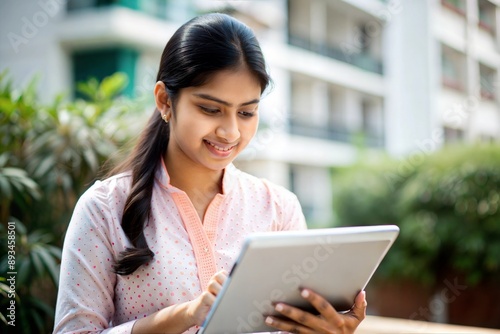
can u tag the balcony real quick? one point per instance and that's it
(361, 60)
(337, 134)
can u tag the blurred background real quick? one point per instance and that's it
(381, 112)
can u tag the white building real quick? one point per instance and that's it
(400, 75)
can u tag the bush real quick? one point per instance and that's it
(447, 205)
(50, 154)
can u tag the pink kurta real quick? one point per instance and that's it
(187, 251)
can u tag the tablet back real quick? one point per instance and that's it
(337, 263)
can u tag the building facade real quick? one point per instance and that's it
(350, 76)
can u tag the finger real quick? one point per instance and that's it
(221, 276)
(299, 316)
(287, 326)
(323, 307)
(207, 298)
(214, 287)
(358, 311)
(216, 282)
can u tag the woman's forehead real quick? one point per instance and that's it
(230, 86)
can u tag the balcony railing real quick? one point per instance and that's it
(337, 134)
(487, 89)
(454, 6)
(362, 60)
(487, 26)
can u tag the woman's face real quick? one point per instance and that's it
(213, 123)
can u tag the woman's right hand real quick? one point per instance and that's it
(180, 317)
(198, 308)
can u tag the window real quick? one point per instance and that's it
(453, 68)
(487, 77)
(311, 185)
(457, 6)
(368, 122)
(344, 38)
(372, 123)
(301, 99)
(453, 135)
(486, 138)
(336, 115)
(486, 16)
(102, 63)
(73, 5)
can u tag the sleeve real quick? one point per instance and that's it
(287, 208)
(293, 216)
(85, 300)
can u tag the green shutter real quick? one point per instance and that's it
(102, 63)
(133, 4)
(127, 61)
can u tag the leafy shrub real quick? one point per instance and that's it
(50, 153)
(447, 205)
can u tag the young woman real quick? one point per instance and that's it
(147, 250)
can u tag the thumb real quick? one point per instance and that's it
(359, 308)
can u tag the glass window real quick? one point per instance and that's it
(487, 77)
(487, 16)
(453, 68)
(453, 135)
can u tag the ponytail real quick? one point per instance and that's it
(143, 161)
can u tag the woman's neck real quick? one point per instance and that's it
(193, 179)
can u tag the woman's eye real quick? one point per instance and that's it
(247, 113)
(209, 110)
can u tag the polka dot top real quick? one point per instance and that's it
(92, 298)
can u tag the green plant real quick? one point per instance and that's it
(447, 205)
(50, 153)
(455, 199)
(35, 260)
(15, 187)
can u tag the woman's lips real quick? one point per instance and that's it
(218, 149)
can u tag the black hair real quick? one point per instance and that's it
(197, 50)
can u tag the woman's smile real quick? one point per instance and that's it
(218, 149)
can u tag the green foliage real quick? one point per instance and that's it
(50, 153)
(446, 204)
(35, 259)
(15, 186)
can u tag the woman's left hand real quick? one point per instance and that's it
(328, 320)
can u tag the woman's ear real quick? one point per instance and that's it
(162, 100)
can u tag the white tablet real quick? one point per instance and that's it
(336, 263)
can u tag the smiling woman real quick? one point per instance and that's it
(148, 249)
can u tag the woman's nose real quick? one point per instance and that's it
(228, 129)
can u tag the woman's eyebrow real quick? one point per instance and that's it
(212, 98)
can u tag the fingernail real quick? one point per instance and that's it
(269, 321)
(279, 307)
(304, 293)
